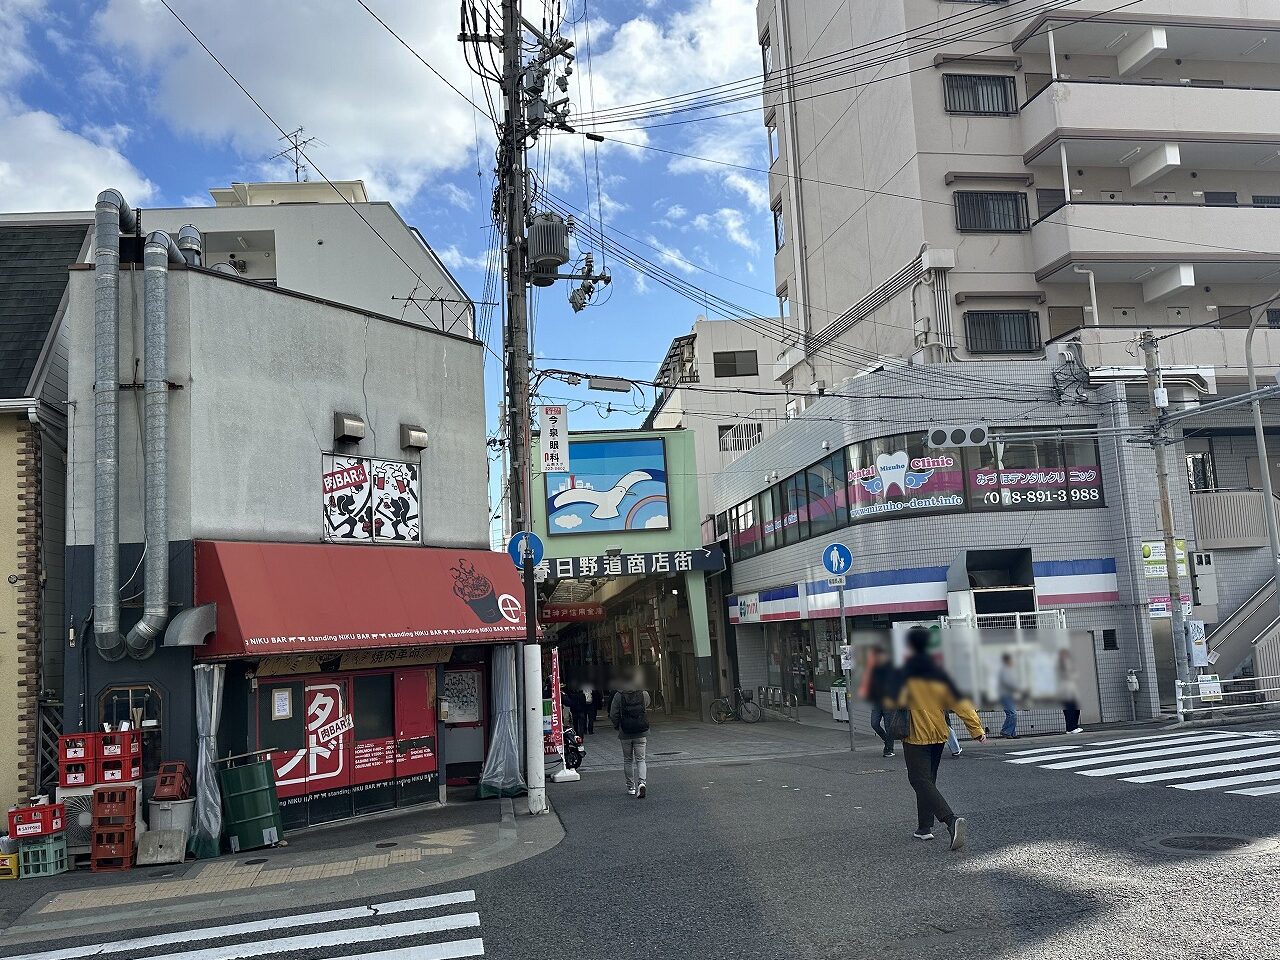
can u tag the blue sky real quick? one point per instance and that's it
(115, 93)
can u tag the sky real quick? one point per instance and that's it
(115, 93)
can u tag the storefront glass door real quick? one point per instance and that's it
(330, 749)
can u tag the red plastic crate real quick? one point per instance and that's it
(115, 806)
(39, 821)
(118, 769)
(126, 744)
(173, 782)
(112, 842)
(78, 746)
(77, 773)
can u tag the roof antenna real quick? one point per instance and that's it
(293, 153)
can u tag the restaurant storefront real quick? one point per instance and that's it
(361, 671)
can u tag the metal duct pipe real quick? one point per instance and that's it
(191, 243)
(111, 215)
(159, 251)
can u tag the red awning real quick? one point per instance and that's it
(311, 597)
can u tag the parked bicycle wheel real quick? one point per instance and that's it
(721, 711)
(750, 711)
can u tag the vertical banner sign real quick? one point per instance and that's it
(555, 439)
(552, 722)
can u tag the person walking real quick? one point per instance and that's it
(593, 708)
(577, 698)
(1068, 692)
(877, 684)
(927, 693)
(628, 713)
(1008, 688)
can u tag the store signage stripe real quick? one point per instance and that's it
(1182, 761)
(367, 912)
(780, 593)
(1222, 768)
(328, 938)
(1066, 599)
(1071, 568)
(1113, 749)
(435, 951)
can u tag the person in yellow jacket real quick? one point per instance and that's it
(928, 693)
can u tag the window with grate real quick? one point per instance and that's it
(1002, 331)
(779, 228)
(991, 211)
(980, 95)
(1110, 640)
(1273, 318)
(766, 53)
(735, 363)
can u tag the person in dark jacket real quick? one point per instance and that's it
(577, 700)
(877, 688)
(629, 715)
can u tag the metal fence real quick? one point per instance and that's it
(779, 701)
(1209, 696)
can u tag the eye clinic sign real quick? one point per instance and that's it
(555, 439)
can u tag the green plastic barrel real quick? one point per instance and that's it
(250, 806)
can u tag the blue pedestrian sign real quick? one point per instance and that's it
(517, 545)
(838, 559)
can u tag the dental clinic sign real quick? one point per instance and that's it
(893, 481)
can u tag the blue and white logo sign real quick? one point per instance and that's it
(838, 559)
(516, 548)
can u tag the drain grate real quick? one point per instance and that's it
(384, 844)
(669, 753)
(1205, 842)
(255, 861)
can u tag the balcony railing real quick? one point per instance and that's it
(1230, 519)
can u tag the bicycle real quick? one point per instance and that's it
(738, 707)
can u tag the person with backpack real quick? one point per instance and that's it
(628, 714)
(922, 702)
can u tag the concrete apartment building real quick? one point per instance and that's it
(978, 207)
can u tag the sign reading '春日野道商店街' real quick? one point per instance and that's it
(707, 559)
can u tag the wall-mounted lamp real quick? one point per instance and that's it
(348, 428)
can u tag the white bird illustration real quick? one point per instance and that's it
(606, 501)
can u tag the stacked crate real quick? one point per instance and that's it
(42, 842)
(114, 828)
(86, 759)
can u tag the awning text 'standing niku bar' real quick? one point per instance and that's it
(307, 597)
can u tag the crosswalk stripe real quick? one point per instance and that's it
(1221, 768)
(1157, 737)
(1206, 739)
(1229, 781)
(436, 951)
(257, 926)
(1180, 761)
(1257, 791)
(1144, 754)
(1058, 749)
(327, 938)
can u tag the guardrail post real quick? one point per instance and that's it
(1177, 692)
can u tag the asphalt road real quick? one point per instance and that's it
(811, 856)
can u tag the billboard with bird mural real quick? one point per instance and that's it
(612, 485)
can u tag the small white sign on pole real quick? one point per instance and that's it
(835, 582)
(555, 439)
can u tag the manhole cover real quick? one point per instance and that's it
(384, 844)
(255, 861)
(1205, 842)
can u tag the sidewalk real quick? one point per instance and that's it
(405, 848)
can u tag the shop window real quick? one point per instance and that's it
(372, 703)
(795, 518)
(826, 494)
(142, 707)
(767, 506)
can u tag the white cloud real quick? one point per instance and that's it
(729, 223)
(670, 255)
(455, 259)
(382, 115)
(676, 212)
(45, 165)
(568, 521)
(454, 194)
(658, 522)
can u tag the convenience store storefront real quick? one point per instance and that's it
(340, 658)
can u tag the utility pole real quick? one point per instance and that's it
(525, 114)
(1160, 403)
